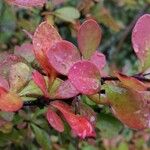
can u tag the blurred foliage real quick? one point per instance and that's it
(28, 129)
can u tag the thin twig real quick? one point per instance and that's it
(131, 25)
(42, 101)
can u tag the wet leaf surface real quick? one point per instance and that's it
(62, 55)
(141, 40)
(44, 37)
(85, 76)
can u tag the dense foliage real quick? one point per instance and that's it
(72, 76)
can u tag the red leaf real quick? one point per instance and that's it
(99, 60)
(40, 81)
(80, 126)
(89, 37)
(2, 91)
(44, 37)
(27, 3)
(62, 55)
(85, 76)
(54, 120)
(10, 102)
(141, 40)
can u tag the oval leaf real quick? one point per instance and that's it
(54, 120)
(27, 3)
(67, 13)
(10, 102)
(89, 37)
(62, 55)
(44, 37)
(141, 40)
(85, 76)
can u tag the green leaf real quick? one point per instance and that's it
(108, 125)
(19, 75)
(123, 146)
(7, 23)
(42, 137)
(68, 14)
(31, 90)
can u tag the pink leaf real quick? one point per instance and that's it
(27, 3)
(99, 60)
(40, 81)
(63, 90)
(25, 51)
(85, 76)
(80, 125)
(89, 37)
(54, 120)
(62, 55)
(141, 40)
(44, 37)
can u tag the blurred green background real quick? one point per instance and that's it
(28, 129)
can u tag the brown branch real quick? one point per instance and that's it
(140, 78)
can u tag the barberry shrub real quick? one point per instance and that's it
(64, 73)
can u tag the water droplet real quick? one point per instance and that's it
(92, 119)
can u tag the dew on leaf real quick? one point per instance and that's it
(62, 55)
(85, 76)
